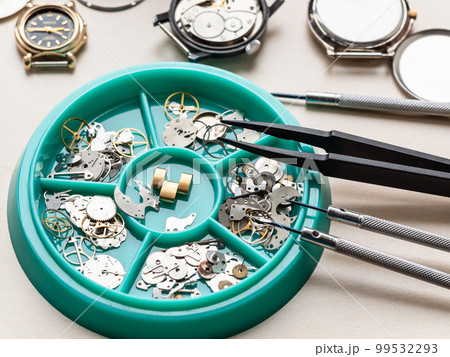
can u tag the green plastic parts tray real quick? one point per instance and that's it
(133, 98)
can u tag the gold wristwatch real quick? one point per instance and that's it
(50, 34)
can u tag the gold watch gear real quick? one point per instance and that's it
(49, 35)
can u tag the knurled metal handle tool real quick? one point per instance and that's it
(378, 225)
(353, 158)
(391, 105)
(369, 255)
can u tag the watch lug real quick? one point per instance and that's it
(71, 5)
(71, 60)
(27, 60)
(29, 5)
(161, 18)
(274, 7)
(331, 52)
(198, 56)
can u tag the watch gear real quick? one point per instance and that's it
(101, 208)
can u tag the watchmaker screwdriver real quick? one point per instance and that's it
(367, 254)
(382, 226)
(392, 105)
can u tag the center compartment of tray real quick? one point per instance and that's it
(203, 199)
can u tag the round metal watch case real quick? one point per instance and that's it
(205, 41)
(66, 50)
(381, 41)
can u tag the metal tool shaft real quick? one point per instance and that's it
(376, 257)
(409, 106)
(388, 228)
(392, 105)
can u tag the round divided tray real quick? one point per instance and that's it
(135, 98)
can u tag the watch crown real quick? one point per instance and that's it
(253, 47)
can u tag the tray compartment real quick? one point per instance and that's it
(204, 197)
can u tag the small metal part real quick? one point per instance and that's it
(221, 281)
(85, 174)
(279, 197)
(174, 224)
(157, 293)
(104, 270)
(65, 160)
(101, 208)
(224, 215)
(166, 284)
(142, 285)
(99, 229)
(178, 269)
(76, 207)
(185, 183)
(218, 260)
(223, 284)
(269, 165)
(205, 269)
(264, 192)
(250, 185)
(87, 166)
(240, 207)
(74, 135)
(57, 223)
(56, 200)
(93, 161)
(179, 272)
(136, 210)
(206, 120)
(212, 140)
(152, 278)
(234, 177)
(126, 137)
(180, 132)
(169, 191)
(213, 244)
(233, 256)
(240, 271)
(115, 241)
(77, 243)
(159, 176)
(247, 135)
(159, 258)
(181, 105)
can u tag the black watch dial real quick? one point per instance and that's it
(49, 29)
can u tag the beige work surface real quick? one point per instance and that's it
(344, 298)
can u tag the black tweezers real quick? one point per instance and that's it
(353, 158)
